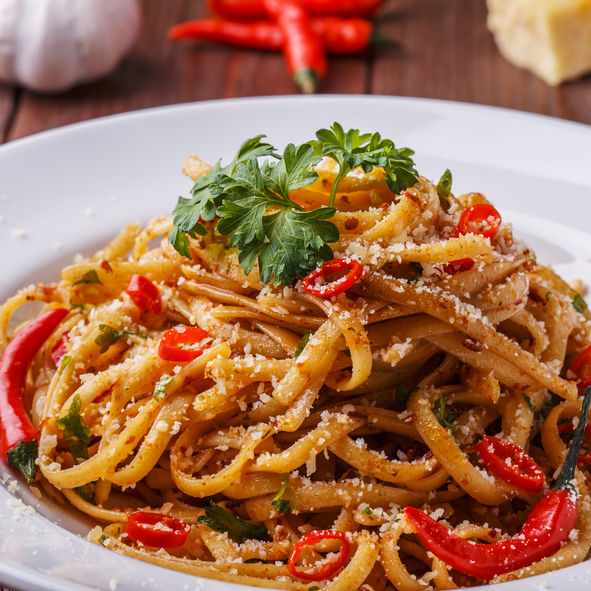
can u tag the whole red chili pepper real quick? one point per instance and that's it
(325, 569)
(341, 36)
(154, 529)
(511, 464)
(546, 528)
(248, 10)
(302, 47)
(315, 284)
(18, 436)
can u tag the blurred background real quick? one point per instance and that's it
(440, 49)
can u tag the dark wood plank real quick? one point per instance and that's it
(448, 53)
(7, 106)
(155, 73)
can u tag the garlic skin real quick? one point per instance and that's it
(53, 45)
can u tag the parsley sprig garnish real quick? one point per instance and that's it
(238, 530)
(353, 150)
(189, 213)
(253, 202)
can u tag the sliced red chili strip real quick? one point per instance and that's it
(511, 464)
(144, 294)
(581, 367)
(171, 348)
(60, 349)
(18, 436)
(315, 282)
(159, 531)
(326, 568)
(482, 219)
(458, 266)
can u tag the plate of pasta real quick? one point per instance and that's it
(353, 354)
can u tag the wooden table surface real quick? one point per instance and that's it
(444, 51)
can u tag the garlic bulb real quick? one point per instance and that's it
(52, 45)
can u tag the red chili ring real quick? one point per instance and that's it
(311, 285)
(172, 534)
(326, 568)
(477, 215)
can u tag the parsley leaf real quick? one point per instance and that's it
(444, 189)
(238, 530)
(88, 278)
(265, 224)
(301, 345)
(189, 213)
(161, 388)
(76, 433)
(65, 360)
(112, 335)
(353, 150)
(283, 506)
(452, 416)
(579, 304)
(367, 511)
(553, 401)
(529, 401)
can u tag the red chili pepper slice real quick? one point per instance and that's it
(144, 294)
(171, 349)
(325, 569)
(159, 531)
(315, 282)
(511, 464)
(482, 219)
(60, 349)
(581, 367)
(18, 436)
(458, 266)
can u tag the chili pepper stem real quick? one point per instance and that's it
(306, 80)
(564, 480)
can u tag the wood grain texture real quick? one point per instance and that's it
(444, 51)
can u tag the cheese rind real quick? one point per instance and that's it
(551, 38)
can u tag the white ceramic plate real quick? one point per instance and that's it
(70, 190)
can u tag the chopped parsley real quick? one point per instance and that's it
(161, 388)
(237, 529)
(65, 360)
(446, 423)
(529, 401)
(76, 433)
(303, 342)
(444, 189)
(89, 277)
(111, 335)
(579, 304)
(367, 511)
(282, 505)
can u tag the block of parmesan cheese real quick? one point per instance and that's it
(552, 38)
